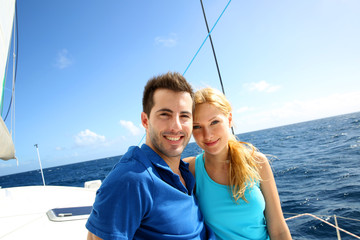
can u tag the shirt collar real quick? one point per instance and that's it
(154, 157)
(158, 161)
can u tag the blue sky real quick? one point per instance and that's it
(82, 67)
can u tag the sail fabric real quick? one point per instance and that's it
(7, 12)
(7, 149)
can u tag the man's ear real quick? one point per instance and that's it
(144, 120)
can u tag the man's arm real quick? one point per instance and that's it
(91, 236)
(121, 202)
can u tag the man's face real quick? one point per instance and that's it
(169, 125)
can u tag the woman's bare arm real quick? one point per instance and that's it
(276, 224)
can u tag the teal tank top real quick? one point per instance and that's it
(227, 219)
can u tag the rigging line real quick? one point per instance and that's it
(200, 49)
(141, 139)
(320, 219)
(13, 82)
(206, 37)
(16, 60)
(288, 213)
(213, 49)
(212, 46)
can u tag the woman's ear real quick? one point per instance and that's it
(230, 119)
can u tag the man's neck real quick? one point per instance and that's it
(172, 162)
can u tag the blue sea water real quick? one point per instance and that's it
(315, 164)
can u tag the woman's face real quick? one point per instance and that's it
(211, 128)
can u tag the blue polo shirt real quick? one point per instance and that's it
(142, 198)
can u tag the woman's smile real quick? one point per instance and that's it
(210, 144)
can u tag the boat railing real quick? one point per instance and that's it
(318, 217)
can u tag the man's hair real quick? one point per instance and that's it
(172, 81)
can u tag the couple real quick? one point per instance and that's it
(149, 194)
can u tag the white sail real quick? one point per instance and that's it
(7, 13)
(7, 149)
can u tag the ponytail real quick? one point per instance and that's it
(244, 169)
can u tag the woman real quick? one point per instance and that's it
(235, 185)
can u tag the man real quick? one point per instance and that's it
(149, 193)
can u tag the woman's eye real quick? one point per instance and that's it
(196, 127)
(214, 122)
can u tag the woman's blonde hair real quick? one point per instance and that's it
(244, 169)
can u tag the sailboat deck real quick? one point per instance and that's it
(23, 212)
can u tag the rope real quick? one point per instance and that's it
(332, 225)
(212, 46)
(209, 32)
(206, 37)
(213, 49)
(141, 139)
(326, 216)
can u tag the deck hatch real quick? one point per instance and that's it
(69, 214)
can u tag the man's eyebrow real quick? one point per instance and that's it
(165, 110)
(171, 111)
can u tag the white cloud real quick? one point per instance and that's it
(262, 86)
(63, 59)
(87, 137)
(242, 110)
(298, 111)
(320, 107)
(131, 127)
(170, 41)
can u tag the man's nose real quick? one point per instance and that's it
(176, 124)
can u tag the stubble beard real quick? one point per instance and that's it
(156, 141)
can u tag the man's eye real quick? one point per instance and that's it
(185, 116)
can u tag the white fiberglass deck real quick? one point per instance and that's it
(23, 212)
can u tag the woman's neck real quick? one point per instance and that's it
(218, 159)
(217, 167)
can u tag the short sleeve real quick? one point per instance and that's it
(122, 201)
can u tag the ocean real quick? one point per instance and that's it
(315, 164)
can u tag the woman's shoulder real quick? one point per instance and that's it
(264, 166)
(191, 161)
(260, 158)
